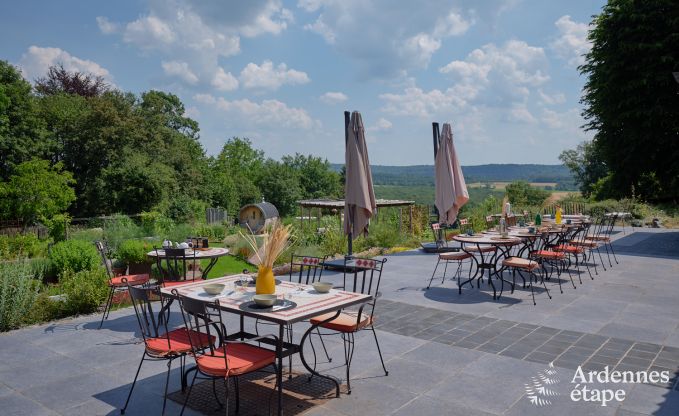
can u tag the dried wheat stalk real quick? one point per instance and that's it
(274, 243)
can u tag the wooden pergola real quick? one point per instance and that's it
(337, 207)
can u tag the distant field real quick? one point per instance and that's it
(502, 185)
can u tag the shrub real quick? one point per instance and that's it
(120, 228)
(134, 251)
(21, 245)
(85, 290)
(87, 234)
(57, 226)
(74, 255)
(18, 291)
(154, 223)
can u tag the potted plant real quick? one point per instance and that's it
(133, 253)
(118, 267)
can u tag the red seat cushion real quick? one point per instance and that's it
(132, 280)
(179, 342)
(549, 254)
(242, 358)
(345, 322)
(569, 248)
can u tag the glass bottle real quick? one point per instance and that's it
(538, 220)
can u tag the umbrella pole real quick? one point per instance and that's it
(437, 142)
(350, 248)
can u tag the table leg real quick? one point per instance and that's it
(301, 354)
(209, 267)
(279, 369)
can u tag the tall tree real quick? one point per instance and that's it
(21, 129)
(586, 164)
(631, 98)
(58, 80)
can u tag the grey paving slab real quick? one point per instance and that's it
(16, 404)
(427, 406)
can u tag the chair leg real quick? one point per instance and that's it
(445, 270)
(348, 339)
(237, 388)
(613, 251)
(214, 393)
(434, 273)
(186, 399)
(107, 307)
(167, 381)
(379, 351)
(226, 396)
(122, 411)
(318, 331)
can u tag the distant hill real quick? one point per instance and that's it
(424, 174)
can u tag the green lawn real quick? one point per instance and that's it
(226, 265)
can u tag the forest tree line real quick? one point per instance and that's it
(71, 143)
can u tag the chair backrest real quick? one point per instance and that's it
(174, 264)
(310, 268)
(367, 274)
(439, 237)
(103, 250)
(203, 318)
(149, 325)
(511, 220)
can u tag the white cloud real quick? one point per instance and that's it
(387, 38)
(180, 70)
(265, 76)
(224, 81)
(572, 42)
(205, 98)
(520, 113)
(551, 99)
(268, 112)
(333, 97)
(200, 31)
(192, 112)
(499, 74)
(382, 124)
(107, 27)
(35, 62)
(149, 32)
(416, 102)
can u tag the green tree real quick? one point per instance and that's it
(586, 164)
(631, 99)
(38, 191)
(21, 130)
(243, 164)
(280, 186)
(521, 193)
(315, 176)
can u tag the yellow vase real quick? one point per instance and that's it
(266, 284)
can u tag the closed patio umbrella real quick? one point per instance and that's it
(451, 189)
(359, 196)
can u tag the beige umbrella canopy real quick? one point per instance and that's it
(359, 197)
(451, 189)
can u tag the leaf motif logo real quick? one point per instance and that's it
(537, 391)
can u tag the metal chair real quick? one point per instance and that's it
(116, 283)
(178, 268)
(227, 361)
(545, 253)
(367, 274)
(527, 265)
(161, 346)
(451, 257)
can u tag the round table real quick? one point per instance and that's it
(213, 254)
(488, 260)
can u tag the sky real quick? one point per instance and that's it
(502, 72)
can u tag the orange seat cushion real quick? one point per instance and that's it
(454, 255)
(345, 322)
(586, 243)
(132, 280)
(569, 248)
(481, 249)
(520, 263)
(241, 358)
(549, 254)
(598, 238)
(178, 342)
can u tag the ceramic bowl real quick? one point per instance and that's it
(264, 300)
(322, 287)
(213, 288)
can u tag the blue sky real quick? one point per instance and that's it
(503, 72)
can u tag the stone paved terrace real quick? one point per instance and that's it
(447, 354)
